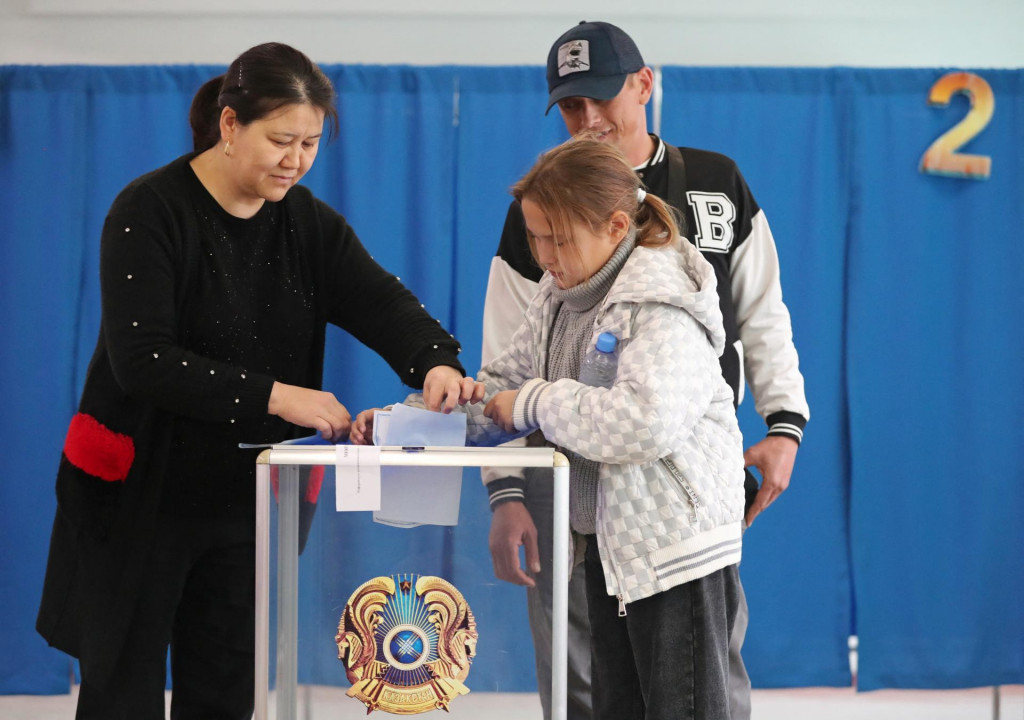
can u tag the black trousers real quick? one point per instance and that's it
(668, 658)
(198, 600)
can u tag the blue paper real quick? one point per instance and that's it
(412, 496)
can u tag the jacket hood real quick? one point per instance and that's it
(674, 276)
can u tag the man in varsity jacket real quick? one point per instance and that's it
(600, 83)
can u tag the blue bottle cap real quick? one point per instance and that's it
(606, 342)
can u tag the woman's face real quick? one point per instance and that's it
(568, 267)
(273, 153)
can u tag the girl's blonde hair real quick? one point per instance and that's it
(586, 181)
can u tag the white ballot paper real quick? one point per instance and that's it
(357, 477)
(419, 495)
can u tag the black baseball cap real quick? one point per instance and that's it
(591, 60)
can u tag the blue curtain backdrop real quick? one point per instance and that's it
(934, 346)
(903, 523)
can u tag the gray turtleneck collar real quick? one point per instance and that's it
(588, 293)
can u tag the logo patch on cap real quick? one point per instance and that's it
(573, 57)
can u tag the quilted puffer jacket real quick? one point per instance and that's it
(670, 503)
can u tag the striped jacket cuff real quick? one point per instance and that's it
(506, 489)
(787, 424)
(525, 409)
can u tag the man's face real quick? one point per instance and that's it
(621, 121)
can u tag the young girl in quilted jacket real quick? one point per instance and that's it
(656, 462)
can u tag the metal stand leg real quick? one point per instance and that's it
(307, 701)
(287, 591)
(262, 589)
(560, 591)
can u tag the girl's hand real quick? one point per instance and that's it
(312, 409)
(444, 388)
(362, 428)
(499, 409)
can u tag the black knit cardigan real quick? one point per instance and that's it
(118, 447)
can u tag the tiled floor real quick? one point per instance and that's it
(318, 703)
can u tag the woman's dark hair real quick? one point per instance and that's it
(261, 80)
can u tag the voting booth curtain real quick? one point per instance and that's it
(904, 520)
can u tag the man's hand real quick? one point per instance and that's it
(774, 457)
(512, 527)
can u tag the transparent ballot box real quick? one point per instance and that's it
(361, 612)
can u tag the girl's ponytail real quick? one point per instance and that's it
(656, 223)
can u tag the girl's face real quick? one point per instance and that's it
(556, 254)
(273, 153)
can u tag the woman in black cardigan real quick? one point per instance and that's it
(218, 277)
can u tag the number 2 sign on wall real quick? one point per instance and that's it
(941, 157)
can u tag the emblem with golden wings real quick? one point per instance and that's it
(407, 643)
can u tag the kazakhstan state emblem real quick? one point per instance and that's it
(407, 643)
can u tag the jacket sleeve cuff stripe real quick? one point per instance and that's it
(525, 410)
(504, 496)
(789, 424)
(788, 430)
(505, 489)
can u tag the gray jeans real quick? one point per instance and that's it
(539, 503)
(667, 658)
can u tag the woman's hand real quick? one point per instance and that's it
(312, 409)
(444, 388)
(362, 427)
(499, 409)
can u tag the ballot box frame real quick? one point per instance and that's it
(289, 458)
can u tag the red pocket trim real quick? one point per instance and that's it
(94, 448)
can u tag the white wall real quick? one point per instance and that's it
(870, 33)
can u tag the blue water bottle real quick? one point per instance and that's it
(601, 363)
